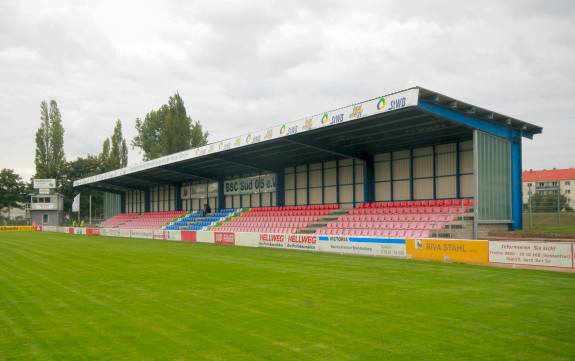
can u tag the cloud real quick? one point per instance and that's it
(244, 65)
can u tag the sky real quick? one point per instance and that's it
(246, 65)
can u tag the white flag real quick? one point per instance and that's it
(76, 203)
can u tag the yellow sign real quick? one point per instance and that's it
(16, 228)
(448, 250)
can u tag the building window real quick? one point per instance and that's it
(567, 183)
(568, 191)
(555, 184)
(529, 184)
(44, 218)
(541, 184)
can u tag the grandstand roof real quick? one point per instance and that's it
(410, 118)
(548, 175)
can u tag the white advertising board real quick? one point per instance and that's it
(143, 233)
(247, 239)
(159, 234)
(302, 242)
(387, 247)
(205, 236)
(272, 240)
(543, 254)
(44, 183)
(174, 235)
(42, 206)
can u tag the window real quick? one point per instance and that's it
(568, 191)
(555, 183)
(567, 183)
(541, 184)
(529, 184)
(44, 218)
(530, 193)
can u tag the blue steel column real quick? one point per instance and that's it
(221, 195)
(280, 188)
(516, 186)
(147, 200)
(368, 180)
(178, 197)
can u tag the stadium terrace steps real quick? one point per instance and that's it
(197, 221)
(452, 218)
(150, 220)
(421, 219)
(288, 219)
(118, 220)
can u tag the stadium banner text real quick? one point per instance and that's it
(386, 103)
(258, 184)
(542, 254)
(449, 250)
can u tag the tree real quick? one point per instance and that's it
(50, 160)
(42, 142)
(114, 150)
(168, 130)
(12, 190)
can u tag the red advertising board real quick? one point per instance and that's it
(228, 238)
(93, 231)
(189, 236)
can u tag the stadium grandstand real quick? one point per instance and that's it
(415, 163)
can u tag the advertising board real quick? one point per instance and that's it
(16, 228)
(44, 183)
(449, 250)
(205, 236)
(367, 246)
(143, 233)
(174, 235)
(227, 238)
(542, 254)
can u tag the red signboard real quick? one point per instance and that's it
(189, 236)
(228, 238)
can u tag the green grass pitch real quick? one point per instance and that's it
(65, 297)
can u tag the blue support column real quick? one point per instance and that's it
(221, 194)
(280, 188)
(147, 200)
(516, 185)
(368, 180)
(123, 202)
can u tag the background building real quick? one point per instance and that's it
(548, 181)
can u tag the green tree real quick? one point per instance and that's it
(49, 159)
(13, 191)
(168, 130)
(114, 150)
(43, 142)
